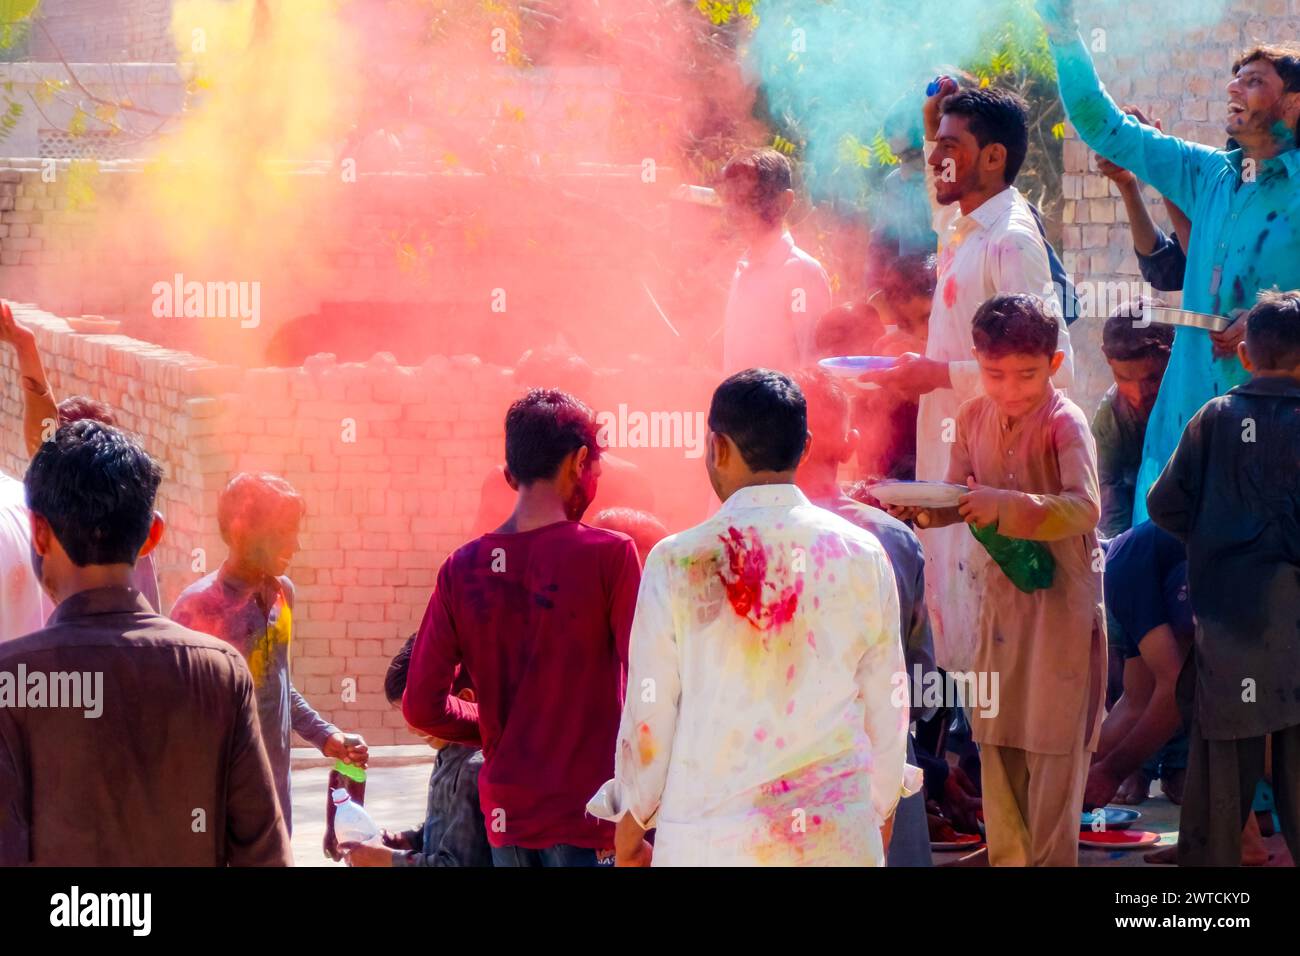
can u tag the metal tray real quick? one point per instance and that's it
(1185, 317)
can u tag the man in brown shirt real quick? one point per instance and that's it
(125, 739)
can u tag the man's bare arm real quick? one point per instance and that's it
(39, 409)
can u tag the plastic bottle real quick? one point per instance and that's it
(1027, 564)
(353, 781)
(351, 822)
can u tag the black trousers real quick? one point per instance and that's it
(1221, 779)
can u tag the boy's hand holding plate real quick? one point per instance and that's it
(980, 506)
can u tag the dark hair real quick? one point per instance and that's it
(542, 428)
(1283, 57)
(827, 402)
(850, 328)
(95, 485)
(398, 669)
(765, 175)
(1128, 337)
(765, 414)
(76, 408)
(908, 276)
(256, 499)
(643, 528)
(1014, 325)
(995, 116)
(1273, 330)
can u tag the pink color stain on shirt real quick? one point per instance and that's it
(950, 292)
(746, 581)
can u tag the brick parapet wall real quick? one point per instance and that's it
(383, 510)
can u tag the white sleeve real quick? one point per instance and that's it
(649, 723)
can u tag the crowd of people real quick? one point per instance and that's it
(1112, 600)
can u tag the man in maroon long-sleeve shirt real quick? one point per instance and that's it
(539, 613)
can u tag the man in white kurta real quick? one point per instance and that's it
(762, 724)
(765, 721)
(995, 249)
(989, 244)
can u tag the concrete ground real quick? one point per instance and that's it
(397, 786)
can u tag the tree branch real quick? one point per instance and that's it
(93, 97)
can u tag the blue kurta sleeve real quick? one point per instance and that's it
(1173, 166)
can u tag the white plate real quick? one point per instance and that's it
(918, 494)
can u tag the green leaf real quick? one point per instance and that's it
(881, 152)
(46, 90)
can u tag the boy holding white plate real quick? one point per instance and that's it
(1027, 455)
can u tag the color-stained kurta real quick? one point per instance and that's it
(997, 249)
(258, 620)
(1047, 648)
(767, 707)
(1244, 239)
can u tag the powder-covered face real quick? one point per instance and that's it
(268, 545)
(1138, 380)
(1257, 104)
(744, 210)
(955, 162)
(1017, 382)
(913, 315)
